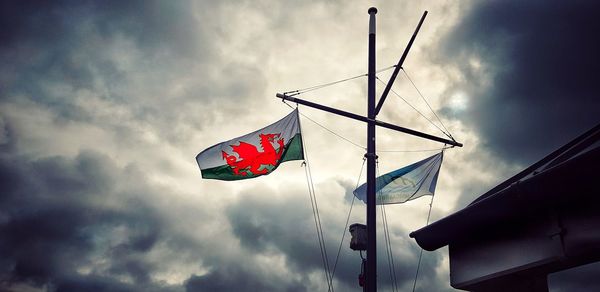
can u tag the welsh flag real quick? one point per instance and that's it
(255, 154)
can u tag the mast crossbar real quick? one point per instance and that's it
(366, 120)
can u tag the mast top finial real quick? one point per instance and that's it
(373, 10)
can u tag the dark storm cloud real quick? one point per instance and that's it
(542, 60)
(237, 277)
(126, 53)
(63, 41)
(58, 215)
(531, 76)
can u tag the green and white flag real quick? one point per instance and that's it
(407, 183)
(255, 154)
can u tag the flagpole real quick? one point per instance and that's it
(371, 270)
(372, 123)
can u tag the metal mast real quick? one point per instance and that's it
(370, 119)
(371, 271)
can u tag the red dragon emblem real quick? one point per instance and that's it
(251, 160)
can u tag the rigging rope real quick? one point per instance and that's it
(329, 130)
(420, 113)
(423, 150)
(421, 253)
(360, 146)
(388, 243)
(348, 218)
(317, 218)
(307, 89)
(315, 87)
(319, 230)
(438, 118)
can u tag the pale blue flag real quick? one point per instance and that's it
(407, 183)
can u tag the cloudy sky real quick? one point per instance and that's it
(104, 105)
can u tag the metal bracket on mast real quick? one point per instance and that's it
(367, 155)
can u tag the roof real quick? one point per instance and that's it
(566, 174)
